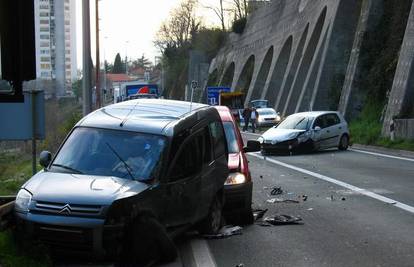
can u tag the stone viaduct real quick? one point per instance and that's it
(303, 55)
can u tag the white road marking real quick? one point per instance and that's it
(380, 154)
(202, 254)
(340, 183)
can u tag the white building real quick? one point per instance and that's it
(55, 30)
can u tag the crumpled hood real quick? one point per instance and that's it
(82, 189)
(280, 135)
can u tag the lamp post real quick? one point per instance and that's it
(126, 57)
(98, 62)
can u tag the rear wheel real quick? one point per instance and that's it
(213, 222)
(344, 142)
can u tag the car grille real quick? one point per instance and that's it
(269, 119)
(59, 237)
(65, 209)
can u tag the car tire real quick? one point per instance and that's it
(246, 217)
(146, 241)
(214, 220)
(343, 142)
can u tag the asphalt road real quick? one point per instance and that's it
(359, 212)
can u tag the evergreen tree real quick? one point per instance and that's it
(119, 66)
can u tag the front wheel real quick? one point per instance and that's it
(344, 142)
(213, 222)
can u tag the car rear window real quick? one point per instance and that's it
(231, 138)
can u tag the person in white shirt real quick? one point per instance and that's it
(253, 117)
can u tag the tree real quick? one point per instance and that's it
(108, 67)
(220, 12)
(142, 62)
(240, 9)
(118, 67)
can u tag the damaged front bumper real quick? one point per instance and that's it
(71, 234)
(293, 145)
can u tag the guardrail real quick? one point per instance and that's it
(6, 211)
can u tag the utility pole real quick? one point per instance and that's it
(98, 63)
(87, 71)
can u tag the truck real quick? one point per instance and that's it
(128, 89)
(224, 96)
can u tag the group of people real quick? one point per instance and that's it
(250, 115)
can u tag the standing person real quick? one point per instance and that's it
(246, 117)
(253, 118)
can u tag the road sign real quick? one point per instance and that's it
(213, 94)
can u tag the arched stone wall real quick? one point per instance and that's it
(228, 76)
(279, 71)
(307, 58)
(246, 75)
(213, 78)
(262, 75)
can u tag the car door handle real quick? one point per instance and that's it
(328, 131)
(340, 128)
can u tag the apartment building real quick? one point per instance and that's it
(55, 30)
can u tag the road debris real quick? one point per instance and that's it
(261, 176)
(240, 265)
(310, 209)
(226, 231)
(277, 190)
(281, 200)
(304, 197)
(343, 198)
(258, 214)
(280, 219)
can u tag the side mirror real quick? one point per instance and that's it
(252, 146)
(317, 129)
(45, 158)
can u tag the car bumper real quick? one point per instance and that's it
(266, 123)
(238, 198)
(288, 146)
(70, 234)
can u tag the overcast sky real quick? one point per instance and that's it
(129, 26)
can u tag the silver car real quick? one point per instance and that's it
(267, 117)
(307, 131)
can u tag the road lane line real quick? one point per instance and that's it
(340, 183)
(202, 254)
(380, 154)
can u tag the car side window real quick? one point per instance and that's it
(332, 119)
(320, 121)
(218, 139)
(189, 159)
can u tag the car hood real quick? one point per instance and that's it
(82, 189)
(234, 161)
(280, 135)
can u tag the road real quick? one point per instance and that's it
(359, 212)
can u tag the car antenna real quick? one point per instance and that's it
(129, 113)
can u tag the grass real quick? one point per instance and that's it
(12, 255)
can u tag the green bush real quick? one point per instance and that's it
(239, 25)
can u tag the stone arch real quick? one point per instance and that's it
(213, 78)
(284, 92)
(262, 76)
(307, 58)
(246, 75)
(279, 71)
(228, 76)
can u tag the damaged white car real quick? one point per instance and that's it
(307, 131)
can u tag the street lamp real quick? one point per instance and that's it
(126, 57)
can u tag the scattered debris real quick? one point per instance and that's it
(290, 193)
(332, 198)
(343, 198)
(240, 265)
(280, 219)
(261, 176)
(258, 214)
(304, 197)
(281, 200)
(305, 177)
(277, 190)
(226, 231)
(310, 209)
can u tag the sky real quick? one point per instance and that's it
(129, 27)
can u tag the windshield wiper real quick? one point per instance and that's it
(123, 161)
(67, 168)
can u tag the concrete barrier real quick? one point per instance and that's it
(404, 128)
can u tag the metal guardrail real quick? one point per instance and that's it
(6, 211)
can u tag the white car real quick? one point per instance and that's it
(267, 117)
(307, 131)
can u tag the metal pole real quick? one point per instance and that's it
(33, 98)
(98, 62)
(87, 71)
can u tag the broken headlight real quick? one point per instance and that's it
(235, 178)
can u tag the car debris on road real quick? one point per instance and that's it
(259, 213)
(225, 231)
(280, 219)
(277, 190)
(281, 200)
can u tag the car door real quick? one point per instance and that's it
(334, 129)
(182, 192)
(321, 136)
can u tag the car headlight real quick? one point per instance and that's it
(235, 178)
(23, 200)
(260, 139)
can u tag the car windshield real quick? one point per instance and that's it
(259, 103)
(267, 112)
(232, 144)
(103, 152)
(295, 122)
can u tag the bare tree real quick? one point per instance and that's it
(178, 29)
(220, 12)
(240, 9)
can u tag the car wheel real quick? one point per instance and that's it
(246, 217)
(344, 142)
(146, 240)
(213, 222)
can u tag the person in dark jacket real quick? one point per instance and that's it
(246, 116)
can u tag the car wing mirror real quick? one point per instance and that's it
(252, 146)
(44, 158)
(317, 129)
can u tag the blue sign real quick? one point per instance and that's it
(213, 94)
